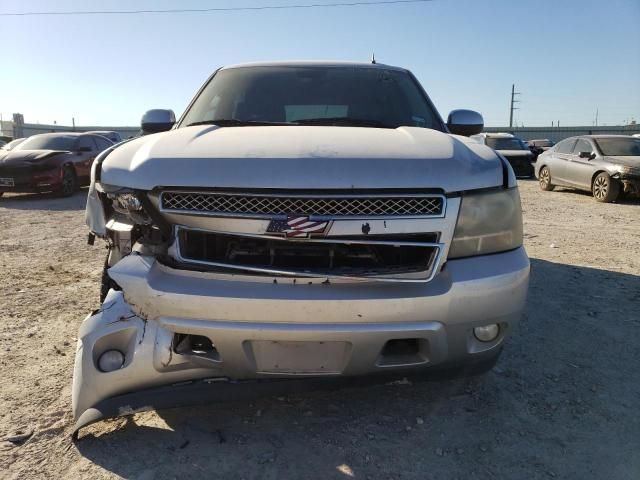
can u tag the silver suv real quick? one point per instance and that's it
(302, 222)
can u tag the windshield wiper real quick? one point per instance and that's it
(344, 121)
(232, 122)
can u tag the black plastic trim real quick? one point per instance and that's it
(221, 390)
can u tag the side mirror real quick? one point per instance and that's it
(465, 122)
(158, 120)
(589, 155)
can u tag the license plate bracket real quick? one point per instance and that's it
(299, 357)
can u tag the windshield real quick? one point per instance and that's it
(542, 143)
(619, 147)
(46, 142)
(317, 95)
(506, 144)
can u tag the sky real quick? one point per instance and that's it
(568, 58)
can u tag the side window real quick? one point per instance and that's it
(103, 143)
(582, 146)
(566, 146)
(85, 143)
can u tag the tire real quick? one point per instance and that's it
(69, 182)
(544, 179)
(106, 282)
(604, 188)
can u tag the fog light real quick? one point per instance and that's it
(111, 360)
(487, 333)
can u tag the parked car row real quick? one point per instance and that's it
(512, 148)
(49, 162)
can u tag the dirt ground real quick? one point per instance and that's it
(563, 401)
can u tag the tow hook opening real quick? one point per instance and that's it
(200, 349)
(404, 351)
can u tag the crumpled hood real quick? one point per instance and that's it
(303, 157)
(14, 158)
(633, 162)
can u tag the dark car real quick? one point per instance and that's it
(543, 144)
(539, 146)
(50, 162)
(512, 148)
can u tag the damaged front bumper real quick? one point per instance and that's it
(263, 331)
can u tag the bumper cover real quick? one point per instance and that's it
(31, 180)
(221, 390)
(260, 329)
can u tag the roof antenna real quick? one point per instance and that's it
(373, 58)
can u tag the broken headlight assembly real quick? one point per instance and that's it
(127, 203)
(488, 222)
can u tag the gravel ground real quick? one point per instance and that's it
(562, 403)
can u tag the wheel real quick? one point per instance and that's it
(106, 283)
(544, 178)
(605, 189)
(69, 182)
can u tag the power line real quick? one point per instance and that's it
(214, 9)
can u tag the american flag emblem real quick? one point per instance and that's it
(297, 226)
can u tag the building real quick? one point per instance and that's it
(555, 134)
(17, 128)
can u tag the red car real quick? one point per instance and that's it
(50, 162)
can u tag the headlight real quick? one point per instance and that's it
(488, 222)
(127, 203)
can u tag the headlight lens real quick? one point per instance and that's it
(488, 222)
(127, 203)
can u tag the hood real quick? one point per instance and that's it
(18, 157)
(303, 157)
(626, 161)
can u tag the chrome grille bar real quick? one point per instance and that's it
(424, 276)
(333, 206)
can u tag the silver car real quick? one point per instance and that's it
(605, 165)
(302, 223)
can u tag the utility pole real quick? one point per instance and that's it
(513, 102)
(596, 117)
(73, 122)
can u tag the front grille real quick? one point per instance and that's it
(24, 171)
(350, 257)
(329, 205)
